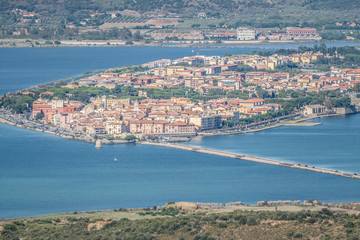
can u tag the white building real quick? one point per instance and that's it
(313, 109)
(115, 128)
(246, 34)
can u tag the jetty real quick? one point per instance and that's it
(98, 143)
(256, 159)
(302, 124)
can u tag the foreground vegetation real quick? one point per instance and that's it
(304, 224)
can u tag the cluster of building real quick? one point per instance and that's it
(270, 63)
(205, 73)
(240, 34)
(26, 16)
(114, 117)
(219, 205)
(274, 82)
(291, 33)
(193, 35)
(280, 203)
(120, 117)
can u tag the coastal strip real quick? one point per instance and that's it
(5, 121)
(253, 158)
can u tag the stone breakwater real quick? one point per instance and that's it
(257, 159)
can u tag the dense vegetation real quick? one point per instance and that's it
(52, 16)
(323, 224)
(18, 103)
(69, 6)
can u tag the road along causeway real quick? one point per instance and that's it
(255, 159)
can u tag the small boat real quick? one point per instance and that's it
(115, 159)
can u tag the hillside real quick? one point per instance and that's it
(289, 222)
(51, 19)
(177, 6)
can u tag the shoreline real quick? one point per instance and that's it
(252, 158)
(285, 123)
(21, 43)
(193, 220)
(293, 122)
(2, 120)
(211, 207)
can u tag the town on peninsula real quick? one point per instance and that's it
(139, 151)
(171, 100)
(175, 100)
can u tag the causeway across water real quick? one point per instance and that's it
(256, 159)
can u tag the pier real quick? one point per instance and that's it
(256, 159)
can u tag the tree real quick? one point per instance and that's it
(137, 36)
(196, 25)
(251, 221)
(39, 116)
(130, 137)
(323, 48)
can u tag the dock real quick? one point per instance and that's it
(257, 159)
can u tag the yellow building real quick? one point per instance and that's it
(173, 70)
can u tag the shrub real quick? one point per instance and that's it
(10, 227)
(241, 219)
(222, 225)
(298, 235)
(130, 137)
(251, 221)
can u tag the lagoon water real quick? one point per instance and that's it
(42, 174)
(334, 144)
(24, 67)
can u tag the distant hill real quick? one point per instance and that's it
(55, 12)
(176, 6)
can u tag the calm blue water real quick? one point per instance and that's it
(42, 174)
(334, 144)
(24, 67)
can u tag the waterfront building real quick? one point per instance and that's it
(313, 109)
(246, 34)
(180, 128)
(302, 33)
(115, 128)
(206, 122)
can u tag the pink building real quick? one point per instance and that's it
(180, 128)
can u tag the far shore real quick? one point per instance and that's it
(40, 43)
